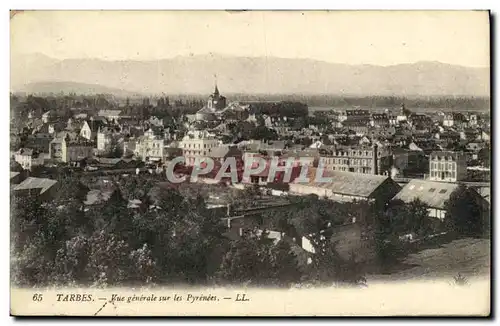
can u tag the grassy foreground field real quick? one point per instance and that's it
(469, 257)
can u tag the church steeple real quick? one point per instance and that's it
(215, 100)
(216, 91)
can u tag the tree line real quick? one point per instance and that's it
(173, 238)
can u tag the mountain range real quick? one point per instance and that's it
(36, 73)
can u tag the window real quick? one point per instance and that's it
(432, 189)
(442, 191)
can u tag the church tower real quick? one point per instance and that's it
(215, 100)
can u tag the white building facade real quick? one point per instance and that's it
(104, 139)
(149, 148)
(447, 166)
(197, 144)
(27, 158)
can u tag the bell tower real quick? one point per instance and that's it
(215, 100)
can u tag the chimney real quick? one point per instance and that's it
(375, 158)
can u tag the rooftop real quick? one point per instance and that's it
(446, 154)
(93, 196)
(25, 151)
(225, 151)
(347, 183)
(433, 194)
(108, 113)
(485, 192)
(43, 184)
(93, 124)
(272, 144)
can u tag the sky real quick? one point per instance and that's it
(378, 38)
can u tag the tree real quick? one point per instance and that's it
(464, 214)
(29, 266)
(144, 269)
(115, 149)
(260, 120)
(328, 266)
(108, 260)
(38, 230)
(246, 197)
(71, 189)
(484, 156)
(263, 133)
(181, 235)
(71, 261)
(410, 217)
(421, 223)
(116, 218)
(386, 243)
(255, 260)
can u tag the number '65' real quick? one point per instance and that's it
(37, 297)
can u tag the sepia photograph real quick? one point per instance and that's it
(250, 163)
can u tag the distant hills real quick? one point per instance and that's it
(72, 87)
(267, 75)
